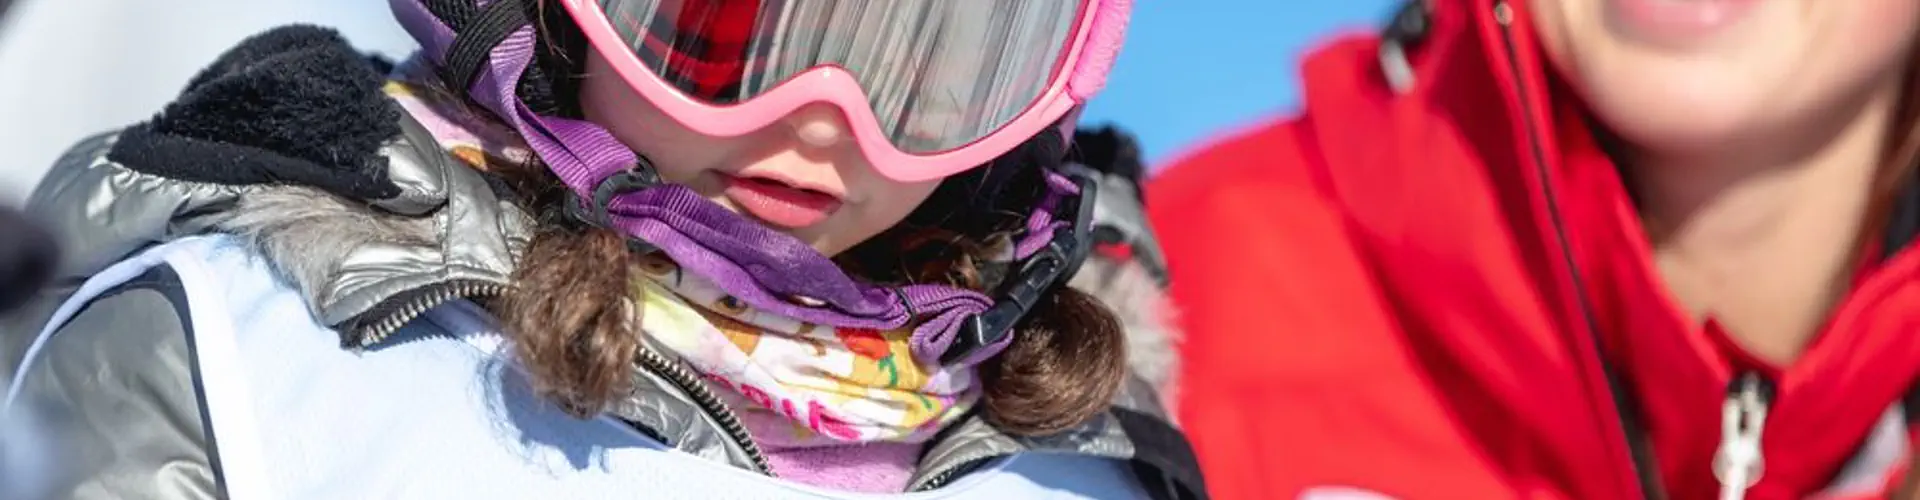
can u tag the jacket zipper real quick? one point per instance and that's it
(1738, 463)
(1639, 450)
(946, 476)
(419, 304)
(708, 402)
(649, 360)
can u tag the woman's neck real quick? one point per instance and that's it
(1762, 237)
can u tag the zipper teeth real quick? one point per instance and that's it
(945, 476)
(710, 403)
(702, 396)
(1739, 463)
(1643, 467)
(412, 309)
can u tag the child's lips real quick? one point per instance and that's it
(779, 203)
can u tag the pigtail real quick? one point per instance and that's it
(1068, 356)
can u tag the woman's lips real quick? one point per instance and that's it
(1680, 21)
(779, 203)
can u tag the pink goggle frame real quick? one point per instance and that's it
(1081, 72)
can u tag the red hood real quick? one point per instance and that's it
(1477, 95)
(1501, 246)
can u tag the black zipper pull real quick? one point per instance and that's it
(1738, 463)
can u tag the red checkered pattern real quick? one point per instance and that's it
(705, 52)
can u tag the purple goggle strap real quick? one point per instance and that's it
(768, 269)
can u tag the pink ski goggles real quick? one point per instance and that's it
(929, 88)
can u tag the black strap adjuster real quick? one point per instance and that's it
(595, 212)
(1052, 266)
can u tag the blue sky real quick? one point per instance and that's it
(1193, 68)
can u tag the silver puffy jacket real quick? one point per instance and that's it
(369, 264)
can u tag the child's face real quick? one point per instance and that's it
(804, 175)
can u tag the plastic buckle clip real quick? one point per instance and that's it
(1052, 266)
(597, 212)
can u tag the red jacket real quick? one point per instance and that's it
(1408, 293)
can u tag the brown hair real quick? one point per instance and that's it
(1898, 160)
(571, 309)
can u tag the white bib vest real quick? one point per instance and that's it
(439, 411)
